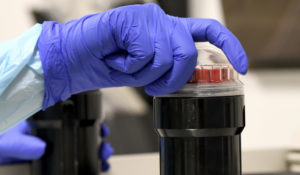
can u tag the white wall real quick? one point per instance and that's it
(272, 119)
(272, 109)
(15, 17)
(206, 9)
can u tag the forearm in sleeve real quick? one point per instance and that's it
(21, 78)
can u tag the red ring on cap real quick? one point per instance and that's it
(212, 74)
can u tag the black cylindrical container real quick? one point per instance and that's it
(200, 135)
(71, 130)
(200, 125)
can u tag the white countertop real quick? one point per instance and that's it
(134, 164)
(258, 161)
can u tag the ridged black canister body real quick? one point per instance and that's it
(200, 135)
(71, 130)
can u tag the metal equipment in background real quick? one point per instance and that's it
(268, 30)
(200, 125)
(71, 130)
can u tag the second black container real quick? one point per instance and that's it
(71, 130)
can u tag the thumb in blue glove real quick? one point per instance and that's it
(17, 145)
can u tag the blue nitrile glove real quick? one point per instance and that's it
(137, 45)
(105, 149)
(17, 145)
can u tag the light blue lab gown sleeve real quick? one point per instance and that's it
(21, 78)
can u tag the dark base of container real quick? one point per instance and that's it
(200, 156)
(200, 135)
(70, 151)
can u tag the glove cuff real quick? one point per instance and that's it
(56, 76)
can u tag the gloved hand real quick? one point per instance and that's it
(17, 145)
(137, 45)
(105, 149)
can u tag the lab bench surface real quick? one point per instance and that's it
(136, 164)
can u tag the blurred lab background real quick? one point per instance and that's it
(269, 30)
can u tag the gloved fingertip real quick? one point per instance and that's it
(105, 151)
(243, 71)
(105, 166)
(116, 61)
(156, 90)
(39, 149)
(104, 131)
(242, 65)
(159, 89)
(26, 147)
(150, 92)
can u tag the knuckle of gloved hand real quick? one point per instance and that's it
(164, 63)
(153, 6)
(215, 27)
(188, 53)
(222, 39)
(154, 9)
(214, 22)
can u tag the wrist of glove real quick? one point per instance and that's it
(136, 45)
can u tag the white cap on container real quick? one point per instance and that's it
(213, 75)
